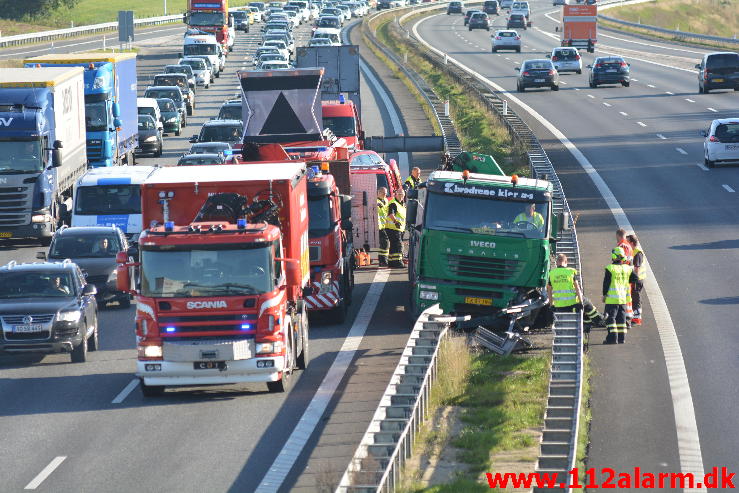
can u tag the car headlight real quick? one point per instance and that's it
(153, 138)
(150, 351)
(268, 347)
(429, 295)
(69, 316)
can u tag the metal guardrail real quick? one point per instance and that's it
(42, 36)
(680, 35)
(385, 447)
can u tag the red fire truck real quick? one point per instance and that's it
(220, 276)
(211, 16)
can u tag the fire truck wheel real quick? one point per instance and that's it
(151, 390)
(285, 382)
(304, 357)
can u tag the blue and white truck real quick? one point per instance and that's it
(42, 148)
(111, 196)
(111, 117)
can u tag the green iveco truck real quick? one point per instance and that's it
(480, 244)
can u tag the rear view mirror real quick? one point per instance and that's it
(548, 55)
(698, 66)
(116, 110)
(517, 69)
(56, 158)
(292, 271)
(346, 208)
(89, 290)
(41, 255)
(193, 139)
(411, 212)
(704, 133)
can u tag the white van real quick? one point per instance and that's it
(111, 197)
(149, 106)
(204, 45)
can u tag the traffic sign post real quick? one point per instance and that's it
(125, 26)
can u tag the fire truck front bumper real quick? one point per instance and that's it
(173, 373)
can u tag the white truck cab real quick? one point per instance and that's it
(205, 45)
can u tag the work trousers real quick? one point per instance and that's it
(636, 290)
(590, 314)
(384, 247)
(396, 247)
(616, 323)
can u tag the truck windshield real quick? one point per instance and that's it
(20, 156)
(199, 271)
(486, 216)
(96, 116)
(207, 19)
(319, 213)
(107, 199)
(203, 49)
(341, 126)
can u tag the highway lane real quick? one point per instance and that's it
(208, 439)
(643, 140)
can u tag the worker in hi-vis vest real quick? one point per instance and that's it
(565, 293)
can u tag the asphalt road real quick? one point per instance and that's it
(644, 142)
(90, 428)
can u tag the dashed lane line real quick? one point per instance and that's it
(623, 113)
(591, 96)
(607, 104)
(702, 166)
(689, 100)
(662, 137)
(712, 109)
(641, 124)
(681, 151)
(126, 391)
(651, 85)
(45, 473)
(728, 188)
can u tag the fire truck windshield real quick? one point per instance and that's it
(206, 19)
(341, 126)
(320, 214)
(192, 271)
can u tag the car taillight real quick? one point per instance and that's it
(598, 65)
(554, 58)
(623, 64)
(498, 37)
(551, 72)
(517, 38)
(577, 57)
(713, 138)
(526, 74)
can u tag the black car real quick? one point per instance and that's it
(516, 20)
(201, 159)
(231, 110)
(479, 20)
(150, 139)
(179, 80)
(172, 92)
(454, 8)
(609, 70)
(490, 7)
(229, 131)
(718, 71)
(468, 15)
(93, 249)
(47, 308)
(537, 73)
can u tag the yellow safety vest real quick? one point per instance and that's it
(412, 183)
(537, 219)
(381, 213)
(643, 268)
(399, 216)
(562, 280)
(619, 292)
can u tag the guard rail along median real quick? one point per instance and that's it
(679, 35)
(377, 464)
(73, 32)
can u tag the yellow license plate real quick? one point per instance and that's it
(6, 234)
(478, 301)
(718, 80)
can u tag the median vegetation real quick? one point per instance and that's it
(712, 17)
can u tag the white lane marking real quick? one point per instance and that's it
(686, 428)
(681, 151)
(623, 113)
(670, 93)
(577, 88)
(607, 104)
(689, 100)
(641, 124)
(126, 390)
(563, 82)
(728, 188)
(712, 109)
(591, 96)
(635, 80)
(651, 85)
(294, 445)
(403, 163)
(701, 166)
(661, 136)
(35, 482)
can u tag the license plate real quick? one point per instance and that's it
(732, 147)
(6, 234)
(28, 328)
(470, 300)
(718, 80)
(538, 80)
(610, 71)
(208, 365)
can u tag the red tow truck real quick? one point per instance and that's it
(284, 116)
(211, 16)
(342, 117)
(220, 276)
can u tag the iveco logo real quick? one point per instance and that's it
(483, 244)
(27, 319)
(191, 305)
(5, 122)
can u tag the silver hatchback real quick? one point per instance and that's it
(506, 39)
(566, 59)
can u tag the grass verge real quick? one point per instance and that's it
(478, 129)
(586, 416)
(500, 400)
(713, 17)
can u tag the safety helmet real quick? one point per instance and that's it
(618, 254)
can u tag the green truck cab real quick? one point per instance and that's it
(476, 248)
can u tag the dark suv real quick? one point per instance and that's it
(516, 20)
(609, 70)
(718, 71)
(231, 110)
(47, 308)
(490, 7)
(454, 8)
(220, 131)
(479, 20)
(179, 80)
(93, 249)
